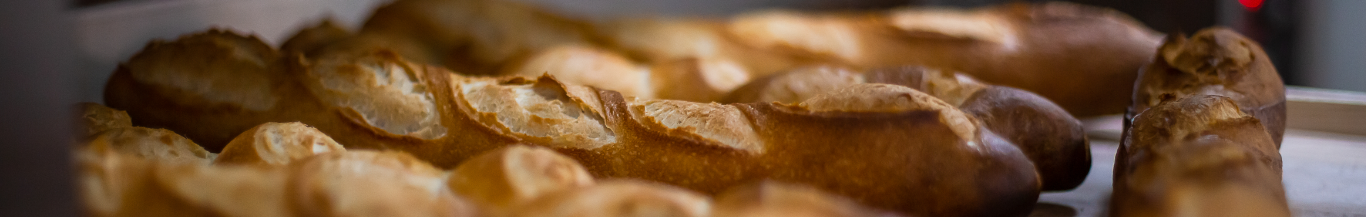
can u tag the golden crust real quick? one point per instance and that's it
(541, 111)
(395, 184)
(384, 89)
(715, 124)
(583, 65)
(179, 190)
(276, 144)
(228, 61)
(796, 85)
(153, 144)
(891, 98)
(500, 180)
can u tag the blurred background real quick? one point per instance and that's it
(56, 53)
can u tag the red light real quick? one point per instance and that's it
(1251, 5)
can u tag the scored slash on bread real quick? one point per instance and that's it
(919, 156)
(276, 144)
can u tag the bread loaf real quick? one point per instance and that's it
(1215, 61)
(887, 146)
(1046, 133)
(1198, 156)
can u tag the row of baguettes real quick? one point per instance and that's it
(290, 169)
(1084, 58)
(886, 146)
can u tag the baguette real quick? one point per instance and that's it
(1215, 61)
(1198, 156)
(887, 146)
(1052, 138)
